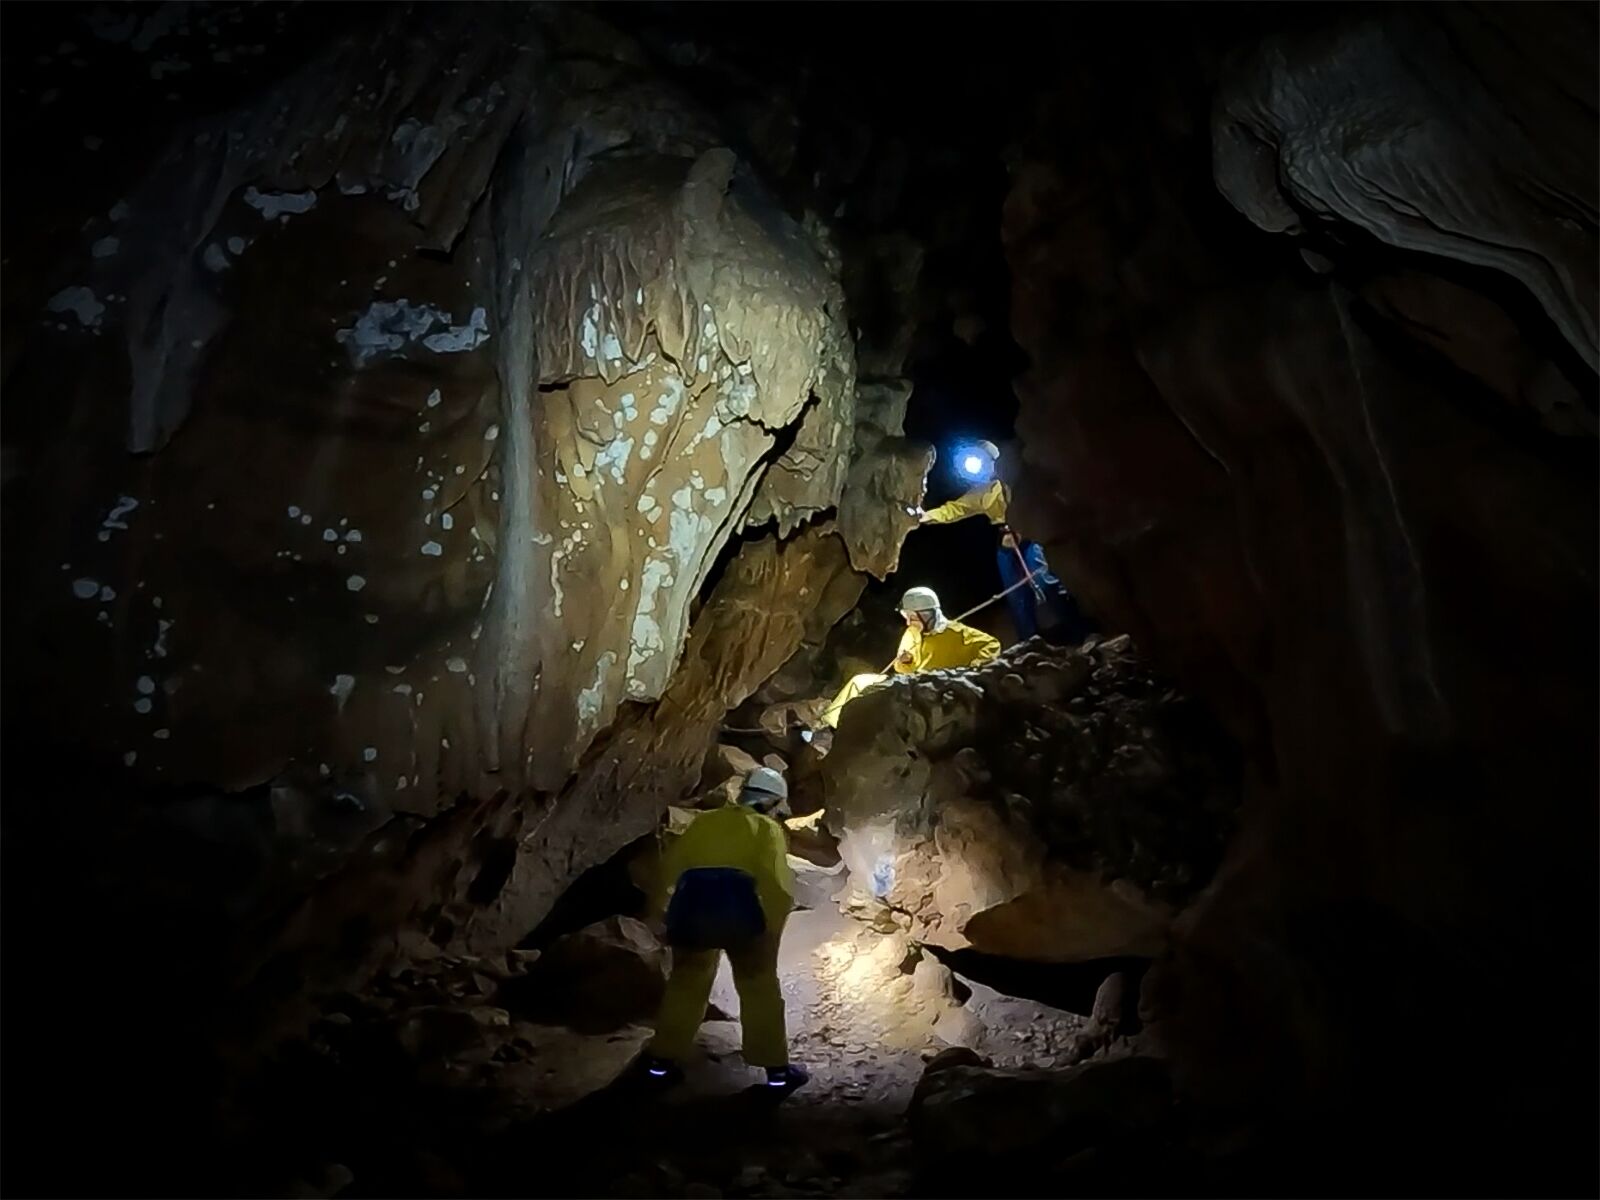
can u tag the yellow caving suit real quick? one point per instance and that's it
(989, 501)
(955, 645)
(739, 837)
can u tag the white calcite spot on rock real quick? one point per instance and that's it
(432, 549)
(343, 685)
(81, 303)
(646, 634)
(355, 583)
(273, 205)
(123, 506)
(589, 331)
(614, 457)
(369, 754)
(85, 589)
(145, 685)
(590, 698)
(458, 339)
(456, 665)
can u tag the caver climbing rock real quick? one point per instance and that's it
(1044, 606)
(931, 642)
(731, 891)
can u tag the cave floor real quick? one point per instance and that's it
(424, 1085)
(864, 1023)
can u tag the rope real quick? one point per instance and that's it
(1000, 595)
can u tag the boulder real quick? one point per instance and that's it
(596, 980)
(1056, 805)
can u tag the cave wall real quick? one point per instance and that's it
(424, 450)
(1311, 412)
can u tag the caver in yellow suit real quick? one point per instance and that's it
(731, 891)
(983, 500)
(930, 643)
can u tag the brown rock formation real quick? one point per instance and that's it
(1052, 806)
(1297, 491)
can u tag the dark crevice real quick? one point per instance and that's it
(1067, 986)
(603, 891)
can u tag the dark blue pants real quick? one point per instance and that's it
(1057, 613)
(714, 908)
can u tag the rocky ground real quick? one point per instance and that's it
(454, 1078)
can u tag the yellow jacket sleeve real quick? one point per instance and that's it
(776, 880)
(910, 643)
(980, 645)
(669, 867)
(989, 501)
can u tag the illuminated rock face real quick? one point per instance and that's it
(441, 439)
(680, 325)
(1053, 806)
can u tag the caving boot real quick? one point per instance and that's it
(787, 1077)
(660, 1072)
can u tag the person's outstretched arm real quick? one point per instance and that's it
(989, 502)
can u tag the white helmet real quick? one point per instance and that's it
(988, 448)
(764, 788)
(919, 599)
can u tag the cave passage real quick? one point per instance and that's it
(454, 454)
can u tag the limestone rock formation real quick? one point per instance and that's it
(1384, 126)
(1350, 507)
(1054, 805)
(454, 363)
(595, 980)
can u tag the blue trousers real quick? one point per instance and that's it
(1060, 616)
(714, 908)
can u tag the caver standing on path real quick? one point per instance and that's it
(931, 642)
(731, 892)
(1042, 606)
